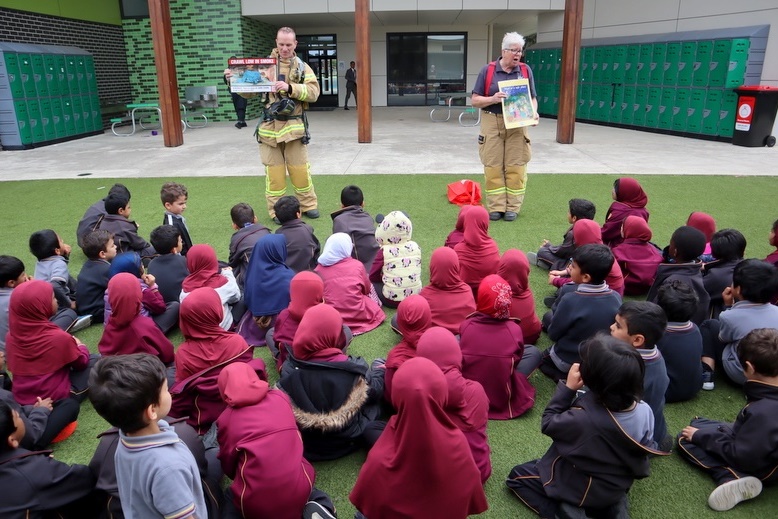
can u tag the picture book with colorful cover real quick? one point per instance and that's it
(517, 109)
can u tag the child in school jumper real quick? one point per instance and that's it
(727, 247)
(100, 250)
(156, 473)
(96, 212)
(630, 199)
(686, 246)
(336, 398)
(641, 324)
(458, 234)
(346, 287)
(741, 456)
(601, 441)
(261, 449)
(12, 275)
(637, 257)
(353, 220)
(450, 299)
(467, 404)
(247, 232)
(494, 352)
(35, 485)
(302, 246)
(588, 309)
(305, 290)
(704, 223)
(169, 266)
(514, 268)
(204, 271)
(773, 239)
(421, 465)
(125, 231)
(681, 344)
(478, 253)
(164, 315)
(413, 318)
(396, 270)
(174, 196)
(754, 282)
(52, 266)
(556, 257)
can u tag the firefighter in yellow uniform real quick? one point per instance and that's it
(503, 152)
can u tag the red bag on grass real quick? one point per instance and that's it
(464, 192)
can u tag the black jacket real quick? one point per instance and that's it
(170, 271)
(177, 221)
(90, 289)
(689, 273)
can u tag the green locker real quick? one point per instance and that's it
(702, 63)
(652, 107)
(86, 114)
(602, 97)
(587, 61)
(599, 55)
(616, 111)
(607, 64)
(618, 73)
(695, 111)
(81, 75)
(711, 113)
(542, 55)
(50, 65)
(584, 97)
(97, 118)
(552, 65)
(36, 125)
(91, 78)
(666, 109)
(554, 94)
(62, 75)
(686, 63)
(71, 70)
(641, 105)
(631, 61)
(25, 70)
(628, 105)
(644, 63)
(59, 118)
(672, 57)
(47, 119)
(658, 54)
(681, 109)
(728, 64)
(78, 114)
(727, 113)
(23, 119)
(39, 76)
(14, 75)
(67, 114)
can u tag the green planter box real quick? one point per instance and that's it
(672, 57)
(686, 63)
(681, 109)
(666, 109)
(658, 54)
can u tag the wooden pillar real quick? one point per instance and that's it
(568, 89)
(162, 37)
(364, 76)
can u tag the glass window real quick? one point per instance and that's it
(135, 8)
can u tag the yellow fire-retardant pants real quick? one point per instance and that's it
(504, 154)
(289, 156)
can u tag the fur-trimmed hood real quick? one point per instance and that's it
(336, 419)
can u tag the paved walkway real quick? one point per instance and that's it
(404, 141)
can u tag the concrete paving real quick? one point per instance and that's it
(405, 140)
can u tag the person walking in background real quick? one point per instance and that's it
(238, 102)
(351, 84)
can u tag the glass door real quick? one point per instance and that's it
(320, 52)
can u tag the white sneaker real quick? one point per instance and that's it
(726, 496)
(533, 258)
(314, 510)
(82, 322)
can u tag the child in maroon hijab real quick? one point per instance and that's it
(421, 466)
(413, 318)
(514, 268)
(467, 404)
(637, 257)
(261, 450)
(458, 234)
(450, 299)
(494, 352)
(629, 199)
(704, 223)
(204, 271)
(478, 252)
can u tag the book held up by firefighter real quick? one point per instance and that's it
(253, 74)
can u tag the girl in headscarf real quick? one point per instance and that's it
(514, 268)
(458, 234)
(704, 223)
(46, 361)
(413, 318)
(636, 256)
(128, 330)
(396, 270)
(478, 252)
(630, 199)
(467, 404)
(421, 466)
(165, 315)
(335, 398)
(204, 272)
(450, 299)
(346, 285)
(305, 290)
(494, 353)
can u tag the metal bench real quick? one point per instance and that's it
(469, 116)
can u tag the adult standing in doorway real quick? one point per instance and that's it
(504, 152)
(238, 102)
(283, 132)
(351, 84)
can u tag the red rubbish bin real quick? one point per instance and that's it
(756, 109)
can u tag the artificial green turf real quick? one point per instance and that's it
(673, 490)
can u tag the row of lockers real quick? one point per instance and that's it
(36, 121)
(49, 75)
(705, 63)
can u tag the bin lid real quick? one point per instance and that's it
(758, 88)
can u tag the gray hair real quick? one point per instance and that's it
(287, 30)
(512, 38)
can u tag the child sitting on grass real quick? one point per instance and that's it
(174, 196)
(96, 212)
(728, 247)
(637, 257)
(52, 266)
(169, 266)
(451, 299)
(741, 456)
(458, 234)
(353, 220)
(302, 246)
(773, 240)
(413, 319)
(247, 232)
(602, 440)
(478, 253)
(396, 270)
(556, 257)
(100, 250)
(514, 268)
(204, 271)
(630, 199)
(125, 231)
(704, 223)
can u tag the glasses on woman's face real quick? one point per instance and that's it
(514, 51)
